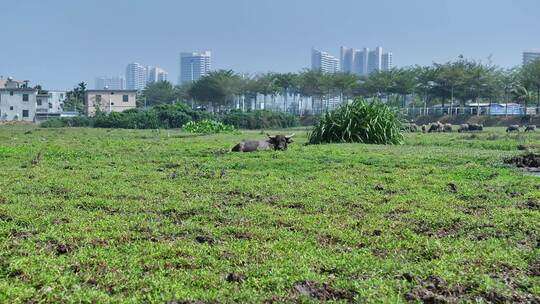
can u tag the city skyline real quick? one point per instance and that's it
(417, 31)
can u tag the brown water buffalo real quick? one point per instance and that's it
(512, 128)
(277, 142)
(531, 128)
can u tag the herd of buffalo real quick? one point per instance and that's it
(281, 142)
(446, 127)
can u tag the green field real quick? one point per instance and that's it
(97, 215)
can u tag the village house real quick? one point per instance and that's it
(109, 101)
(17, 101)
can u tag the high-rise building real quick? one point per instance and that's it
(347, 59)
(365, 62)
(375, 60)
(156, 74)
(324, 62)
(531, 55)
(194, 65)
(113, 83)
(387, 61)
(361, 60)
(136, 76)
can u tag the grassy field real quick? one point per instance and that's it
(95, 215)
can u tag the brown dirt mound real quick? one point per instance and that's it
(529, 160)
(322, 292)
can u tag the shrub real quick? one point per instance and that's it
(208, 126)
(79, 121)
(361, 121)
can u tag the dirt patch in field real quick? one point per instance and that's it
(532, 204)
(433, 290)
(205, 239)
(321, 292)
(234, 277)
(528, 161)
(186, 302)
(534, 268)
(452, 188)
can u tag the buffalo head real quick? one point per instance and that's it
(280, 142)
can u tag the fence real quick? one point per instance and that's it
(494, 110)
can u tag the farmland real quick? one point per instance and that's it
(110, 215)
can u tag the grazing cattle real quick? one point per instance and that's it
(436, 127)
(463, 128)
(447, 127)
(512, 128)
(277, 142)
(531, 128)
(476, 127)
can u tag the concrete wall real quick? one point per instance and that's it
(12, 106)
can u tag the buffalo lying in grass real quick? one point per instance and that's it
(512, 128)
(277, 142)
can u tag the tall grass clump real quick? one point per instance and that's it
(360, 121)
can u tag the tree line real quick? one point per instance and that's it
(456, 82)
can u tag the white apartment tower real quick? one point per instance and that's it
(530, 55)
(324, 62)
(157, 74)
(136, 76)
(347, 59)
(364, 62)
(387, 61)
(194, 65)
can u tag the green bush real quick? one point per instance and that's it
(175, 116)
(260, 119)
(208, 126)
(79, 121)
(361, 121)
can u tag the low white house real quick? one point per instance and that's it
(17, 101)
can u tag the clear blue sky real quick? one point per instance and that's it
(59, 43)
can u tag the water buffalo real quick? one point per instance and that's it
(277, 142)
(512, 128)
(436, 127)
(476, 127)
(531, 128)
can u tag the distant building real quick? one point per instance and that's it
(324, 62)
(387, 63)
(136, 76)
(347, 59)
(157, 74)
(530, 55)
(113, 83)
(109, 100)
(17, 101)
(50, 102)
(364, 62)
(194, 65)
